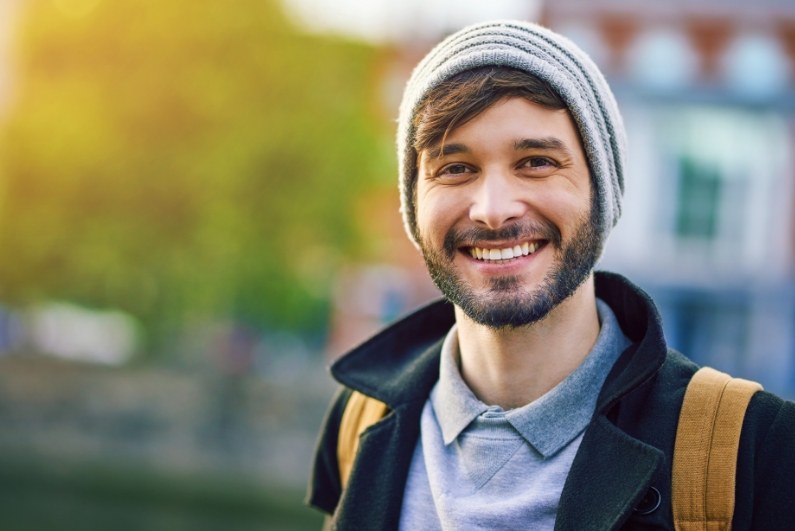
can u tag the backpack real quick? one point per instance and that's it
(705, 450)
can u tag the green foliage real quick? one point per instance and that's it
(179, 158)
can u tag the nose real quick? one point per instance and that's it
(496, 201)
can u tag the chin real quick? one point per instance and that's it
(514, 311)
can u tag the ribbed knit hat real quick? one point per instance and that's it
(551, 58)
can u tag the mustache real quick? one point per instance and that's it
(520, 230)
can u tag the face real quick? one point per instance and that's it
(504, 213)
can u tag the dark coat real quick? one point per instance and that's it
(626, 450)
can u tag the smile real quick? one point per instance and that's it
(506, 253)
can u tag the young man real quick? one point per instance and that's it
(539, 395)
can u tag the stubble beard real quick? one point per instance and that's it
(507, 303)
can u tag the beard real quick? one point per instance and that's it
(507, 303)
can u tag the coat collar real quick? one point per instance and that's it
(400, 364)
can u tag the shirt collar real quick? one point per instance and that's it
(548, 423)
(456, 406)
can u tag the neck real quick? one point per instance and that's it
(513, 367)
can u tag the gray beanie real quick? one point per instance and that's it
(551, 58)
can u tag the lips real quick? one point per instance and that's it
(512, 241)
(504, 253)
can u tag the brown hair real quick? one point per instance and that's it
(464, 96)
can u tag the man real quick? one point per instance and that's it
(539, 395)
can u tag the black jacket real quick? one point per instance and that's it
(626, 449)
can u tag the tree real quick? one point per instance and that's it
(183, 159)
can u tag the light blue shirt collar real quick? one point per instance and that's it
(548, 423)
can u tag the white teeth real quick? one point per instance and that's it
(504, 254)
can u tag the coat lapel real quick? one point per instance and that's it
(608, 478)
(380, 471)
(387, 447)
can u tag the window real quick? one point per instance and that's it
(699, 199)
(662, 60)
(756, 67)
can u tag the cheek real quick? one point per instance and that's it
(428, 218)
(438, 209)
(430, 209)
(578, 212)
(563, 203)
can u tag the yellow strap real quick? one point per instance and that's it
(705, 452)
(361, 411)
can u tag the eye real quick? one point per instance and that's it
(539, 162)
(454, 169)
(454, 173)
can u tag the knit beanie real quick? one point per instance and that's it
(548, 56)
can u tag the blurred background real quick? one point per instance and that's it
(198, 212)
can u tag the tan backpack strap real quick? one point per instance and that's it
(705, 452)
(361, 411)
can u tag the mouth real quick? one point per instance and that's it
(494, 254)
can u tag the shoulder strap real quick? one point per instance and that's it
(361, 412)
(705, 452)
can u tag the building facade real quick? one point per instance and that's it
(707, 90)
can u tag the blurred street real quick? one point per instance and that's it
(85, 447)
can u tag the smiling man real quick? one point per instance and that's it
(538, 394)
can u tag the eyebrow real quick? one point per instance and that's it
(446, 150)
(522, 144)
(541, 143)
